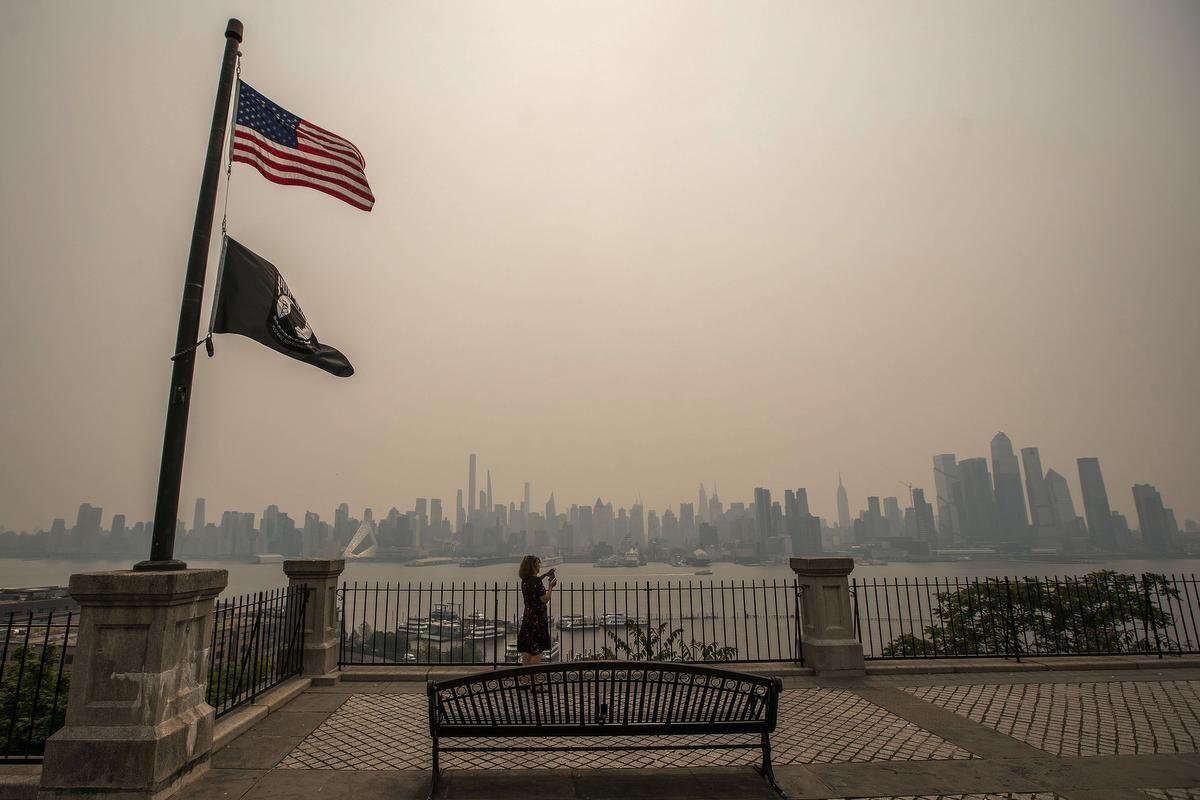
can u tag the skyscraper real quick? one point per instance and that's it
(471, 486)
(891, 512)
(702, 505)
(460, 513)
(525, 509)
(1060, 500)
(1041, 511)
(198, 517)
(687, 523)
(923, 514)
(1011, 519)
(948, 486)
(978, 515)
(1152, 519)
(762, 518)
(843, 504)
(1095, 504)
(489, 507)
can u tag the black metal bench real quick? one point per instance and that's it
(606, 698)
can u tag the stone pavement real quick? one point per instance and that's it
(1082, 735)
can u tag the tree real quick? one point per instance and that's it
(656, 644)
(39, 707)
(1101, 612)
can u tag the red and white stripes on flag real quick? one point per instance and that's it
(292, 151)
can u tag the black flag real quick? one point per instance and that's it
(253, 299)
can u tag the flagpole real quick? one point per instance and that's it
(170, 477)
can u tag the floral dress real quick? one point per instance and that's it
(534, 635)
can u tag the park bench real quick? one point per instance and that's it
(606, 699)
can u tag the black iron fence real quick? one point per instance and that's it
(257, 643)
(477, 623)
(1101, 613)
(35, 674)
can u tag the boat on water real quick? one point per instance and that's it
(511, 656)
(551, 561)
(577, 622)
(632, 558)
(704, 572)
(619, 620)
(483, 631)
(699, 558)
(608, 562)
(443, 612)
(415, 627)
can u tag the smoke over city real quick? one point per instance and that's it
(617, 250)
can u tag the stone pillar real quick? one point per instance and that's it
(322, 633)
(827, 631)
(137, 724)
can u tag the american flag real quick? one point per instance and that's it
(289, 150)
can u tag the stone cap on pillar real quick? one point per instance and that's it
(165, 588)
(823, 567)
(313, 568)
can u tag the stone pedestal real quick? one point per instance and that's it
(137, 724)
(827, 630)
(322, 634)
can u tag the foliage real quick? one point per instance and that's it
(365, 643)
(38, 709)
(1101, 612)
(233, 678)
(657, 644)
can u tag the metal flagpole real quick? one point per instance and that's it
(170, 476)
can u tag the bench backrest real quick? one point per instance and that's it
(604, 697)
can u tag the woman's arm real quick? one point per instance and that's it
(545, 598)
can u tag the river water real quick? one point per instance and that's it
(243, 577)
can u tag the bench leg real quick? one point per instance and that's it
(437, 773)
(765, 770)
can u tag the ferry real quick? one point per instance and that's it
(483, 631)
(577, 622)
(608, 562)
(551, 561)
(415, 627)
(619, 620)
(704, 572)
(632, 558)
(511, 656)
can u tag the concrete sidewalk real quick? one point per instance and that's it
(1104, 734)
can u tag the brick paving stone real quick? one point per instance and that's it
(390, 731)
(990, 796)
(1082, 719)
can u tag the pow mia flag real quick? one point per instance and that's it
(254, 300)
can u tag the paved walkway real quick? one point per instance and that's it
(1085, 735)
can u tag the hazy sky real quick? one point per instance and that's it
(618, 248)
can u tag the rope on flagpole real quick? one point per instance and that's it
(207, 341)
(233, 125)
(208, 346)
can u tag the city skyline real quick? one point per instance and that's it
(1019, 504)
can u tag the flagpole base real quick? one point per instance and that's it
(159, 566)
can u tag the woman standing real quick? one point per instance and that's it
(533, 638)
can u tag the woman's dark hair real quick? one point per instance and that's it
(529, 567)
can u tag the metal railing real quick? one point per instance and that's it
(257, 643)
(1101, 613)
(35, 674)
(477, 623)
